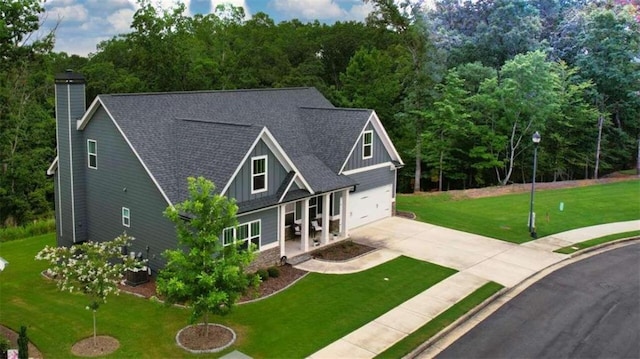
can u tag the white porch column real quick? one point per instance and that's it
(344, 231)
(325, 218)
(304, 227)
(281, 232)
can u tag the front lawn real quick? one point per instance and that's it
(505, 217)
(312, 314)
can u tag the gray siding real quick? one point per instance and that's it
(374, 178)
(380, 154)
(268, 224)
(70, 106)
(240, 187)
(121, 181)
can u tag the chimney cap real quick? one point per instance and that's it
(69, 77)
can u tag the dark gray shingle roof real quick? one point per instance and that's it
(207, 133)
(322, 125)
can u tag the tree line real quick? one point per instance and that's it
(460, 87)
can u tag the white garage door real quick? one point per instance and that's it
(368, 206)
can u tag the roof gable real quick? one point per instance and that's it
(211, 133)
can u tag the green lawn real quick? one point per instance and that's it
(596, 241)
(295, 323)
(505, 217)
(434, 326)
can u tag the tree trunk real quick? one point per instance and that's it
(440, 172)
(418, 173)
(206, 325)
(638, 159)
(95, 339)
(597, 165)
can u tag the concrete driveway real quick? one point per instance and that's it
(478, 260)
(492, 259)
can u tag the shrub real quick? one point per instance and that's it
(23, 343)
(4, 347)
(274, 272)
(29, 230)
(263, 274)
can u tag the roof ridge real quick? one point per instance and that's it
(335, 108)
(218, 122)
(206, 91)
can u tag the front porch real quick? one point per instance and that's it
(313, 222)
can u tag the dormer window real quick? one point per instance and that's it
(258, 174)
(367, 144)
(92, 154)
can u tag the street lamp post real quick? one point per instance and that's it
(532, 226)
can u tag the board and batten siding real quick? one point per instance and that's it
(268, 224)
(70, 106)
(240, 187)
(121, 181)
(374, 178)
(379, 155)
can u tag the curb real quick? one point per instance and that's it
(517, 289)
(601, 245)
(457, 323)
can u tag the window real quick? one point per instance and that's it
(244, 234)
(227, 236)
(258, 174)
(315, 207)
(126, 217)
(367, 144)
(92, 151)
(332, 202)
(289, 214)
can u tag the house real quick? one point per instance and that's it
(288, 157)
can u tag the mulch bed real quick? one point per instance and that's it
(341, 251)
(288, 274)
(13, 339)
(102, 345)
(195, 337)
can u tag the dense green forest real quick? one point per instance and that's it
(460, 87)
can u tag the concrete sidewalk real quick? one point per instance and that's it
(478, 259)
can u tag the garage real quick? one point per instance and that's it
(368, 206)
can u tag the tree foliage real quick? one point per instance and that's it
(397, 62)
(203, 273)
(92, 268)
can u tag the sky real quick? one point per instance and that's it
(82, 24)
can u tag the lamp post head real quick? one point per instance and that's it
(536, 138)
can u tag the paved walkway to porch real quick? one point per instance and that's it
(478, 259)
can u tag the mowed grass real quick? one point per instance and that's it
(313, 313)
(596, 241)
(434, 326)
(505, 217)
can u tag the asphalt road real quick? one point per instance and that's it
(589, 309)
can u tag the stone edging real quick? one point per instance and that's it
(202, 351)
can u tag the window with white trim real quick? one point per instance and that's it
(244, 234)
(258, 174)
(332, 202)
(126, 217)
(92, 154)
(289, 214)
(367, 144)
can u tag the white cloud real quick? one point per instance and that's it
(121, 20)
(310, 9)
(73, 13)
(52, 3)
(359, 12)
